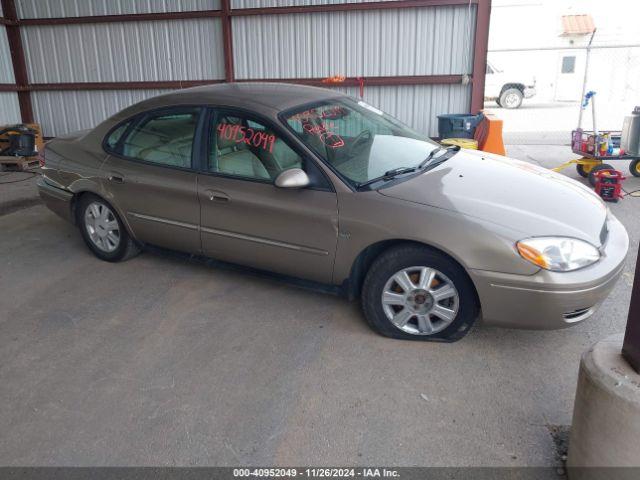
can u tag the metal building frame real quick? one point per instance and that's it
(24, 88)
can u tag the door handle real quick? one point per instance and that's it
(116, 178)
(216, 196)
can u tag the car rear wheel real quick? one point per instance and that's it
(511, 98)
(103, 231)
(415, 293)
(634, 168)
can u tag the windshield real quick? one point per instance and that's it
(359, 141)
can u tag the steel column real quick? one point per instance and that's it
(227, 41)
(481, 44)
(18, 61)
(631, 345)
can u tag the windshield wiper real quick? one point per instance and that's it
(388, 175)
(431, 157)
(391, 174)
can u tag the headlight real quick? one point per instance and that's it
(558, 254)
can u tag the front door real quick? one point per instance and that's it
(149, 178)
(246, 219)
(570, 74)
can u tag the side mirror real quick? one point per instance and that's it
(292, 178)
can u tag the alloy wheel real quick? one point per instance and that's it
(420, 300)
(511, 100)
(102, 227)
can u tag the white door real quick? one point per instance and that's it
(570, 73)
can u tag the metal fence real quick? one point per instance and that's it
(549, 117)
(68, 64)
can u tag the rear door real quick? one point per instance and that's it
(246, 219)
(149, 177)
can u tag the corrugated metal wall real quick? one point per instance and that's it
(6, 69)
(124, 52)
(416, 41)
(79, 8)
(67, 111)
(9, 108)
(417, 105)
(421, 41)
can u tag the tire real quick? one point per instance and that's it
(634, 168)
(101, 239)
(511, 98)
(415, 305)
(583, 170)
(597, 168)
(497, 100)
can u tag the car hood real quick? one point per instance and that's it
(523, 197)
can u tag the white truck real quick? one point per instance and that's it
(506, 88)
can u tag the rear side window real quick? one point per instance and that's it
(165, 138)
(112, 139)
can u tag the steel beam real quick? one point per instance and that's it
(126, 17)
(162, 84)
(237, 12)
(348, 7)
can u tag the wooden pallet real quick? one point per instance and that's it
(18, 164)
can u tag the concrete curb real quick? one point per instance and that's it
(606, 416)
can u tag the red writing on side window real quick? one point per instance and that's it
(248, 136)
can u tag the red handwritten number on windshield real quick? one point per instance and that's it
(330, 139)
(246, 135)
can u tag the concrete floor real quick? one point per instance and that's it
(162, 361)
(538, 122)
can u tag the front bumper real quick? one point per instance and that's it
(550, 300)
(56, 199)
(529, 92)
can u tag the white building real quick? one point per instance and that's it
(530, 37)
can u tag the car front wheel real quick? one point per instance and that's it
(413, 292)
(511, 98)
(103, 231)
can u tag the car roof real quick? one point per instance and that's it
(263, 97)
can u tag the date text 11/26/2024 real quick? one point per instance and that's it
(316, 472)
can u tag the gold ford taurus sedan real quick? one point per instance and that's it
(317, 185)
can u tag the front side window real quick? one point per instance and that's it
(245, 148)
(358, 140)
(165, 138)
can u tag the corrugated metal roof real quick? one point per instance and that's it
(63, 112)
(577, 24)
(130, 51)
(6, 67)
(78, 8)
(9, 108)
(421, 41)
